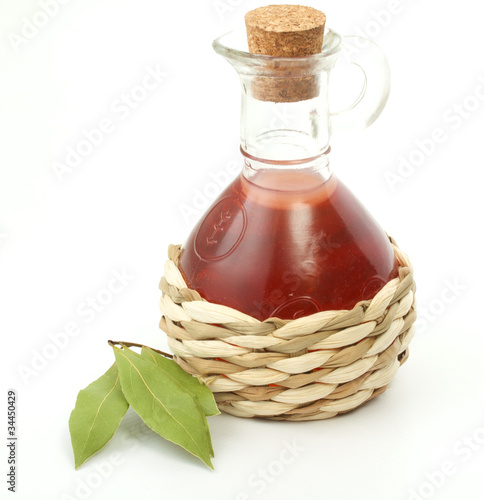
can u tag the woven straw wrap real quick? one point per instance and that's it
(304, 369)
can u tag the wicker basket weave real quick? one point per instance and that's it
(304, 369)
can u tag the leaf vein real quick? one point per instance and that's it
(98, 411)
(161, 404)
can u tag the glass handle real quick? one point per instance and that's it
(370, 59)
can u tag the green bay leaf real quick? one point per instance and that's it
(187, 382)
(99, 410)
(163, 404)
(191, 383)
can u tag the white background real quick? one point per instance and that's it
(61, 240)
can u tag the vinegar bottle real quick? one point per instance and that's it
(287, 239)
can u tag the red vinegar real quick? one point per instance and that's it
(286, 244)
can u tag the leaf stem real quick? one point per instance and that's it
(134, 344)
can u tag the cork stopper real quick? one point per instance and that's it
(285, 31)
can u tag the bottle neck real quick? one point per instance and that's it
(284, 131)
(287, 175)
(285, 106)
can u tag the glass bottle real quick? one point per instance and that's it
(286, 238)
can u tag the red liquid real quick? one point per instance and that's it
(287, 244)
